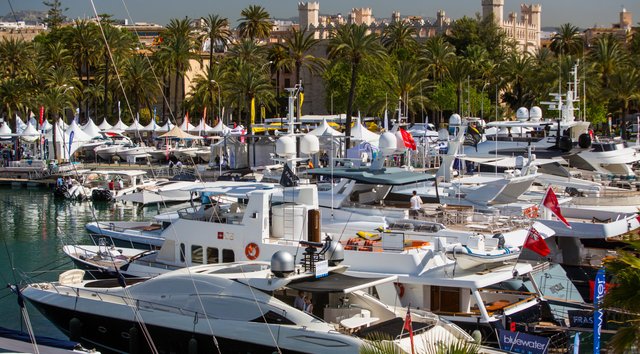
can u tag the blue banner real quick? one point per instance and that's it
(576, 343)
(598, 294)
(518, 342)
(70, 142)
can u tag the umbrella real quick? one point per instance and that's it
(177, 133)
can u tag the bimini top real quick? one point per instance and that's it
(338, 283)
(393, 176)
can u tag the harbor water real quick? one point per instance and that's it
(34, 227)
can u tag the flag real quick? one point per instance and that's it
(288, 178)
(409, 328)
(70, 142)
(536, 243)
(408, 139)
(301, 101)
(550, 202)
(204, 114)
(386, 121)
(186, 121)
(253, 113)
(41, 115)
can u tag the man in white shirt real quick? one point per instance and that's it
(299, 302)
(416, 205)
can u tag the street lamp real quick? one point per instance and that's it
(219, 89)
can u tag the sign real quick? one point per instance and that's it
(518, 342)
(598, 294)
(580, 318)
(220, 235)
(322, 269)
(392, 241)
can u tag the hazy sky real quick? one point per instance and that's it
(583, 13)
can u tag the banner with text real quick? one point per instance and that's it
(518, 342)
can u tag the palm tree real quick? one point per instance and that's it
(434, 55)
(407, 83)
(515, 71)
(217, 31)
(567, 41)
(55, 54)
(399, 36)
(85, 44)
(246, 83)
(607, 55)
(353, 44)
(207, 88)
(460, 72)
(255, 23)
(15, 53)
(118, 49)
(299, 44)
(248, 51)
(12, 96)
(139, 83)
(278, 56)
(625, 86)
(177, 50)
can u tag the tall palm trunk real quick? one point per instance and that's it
(86, 102)
(165, 94)
(106, 87)
(175, 97)
(352, 93)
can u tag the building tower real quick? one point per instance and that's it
(495, 8)
(625, 19)
(308, 14)
(395, 17)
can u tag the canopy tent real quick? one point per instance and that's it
(167, 127)
(203, 127)
(361, 133)
(91, 129)
(177, 133)
(151, 127)
(187, 126)
(62, 124)
(220, 128)
(46, 126)
(134, 127)
(5, 131)
(119, 126)
(20, 125)
(32, 120)
(29, 133)
(325, 130)
(105, 125)
(79, 139)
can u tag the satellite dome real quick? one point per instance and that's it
(455, 120)
(309, 144)
(443, 134)
(387, 143)
(282, 264)
(286, 146)
(522, 114)
(535, 113)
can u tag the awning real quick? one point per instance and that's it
(338, 283)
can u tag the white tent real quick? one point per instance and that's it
(204, 128)
(32, 120)
(187, 126)
(79, 138)
(5, 130)
(46, 126)
(105, 125)
(151, 127)
(167, 127)
(62, 124)
(29, 133)
(91, 129)
(134, 127)
(119, 126)
(20, 125)
(325, 129)
(361, 133)
(220, 128)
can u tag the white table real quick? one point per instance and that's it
(357, 322)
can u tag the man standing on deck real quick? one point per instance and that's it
(416, 205)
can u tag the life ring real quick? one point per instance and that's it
(531, 212)
(252, 251)
(400, 287)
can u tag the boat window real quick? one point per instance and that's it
(212, 255)
(182, 252)
(228, 256)
(272, 317)
(196, 254)
(445, 299)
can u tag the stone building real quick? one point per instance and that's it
(621, 30)
(524, 30)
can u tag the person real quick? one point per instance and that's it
(179, 166)
(217, 160)
(299, 301)
(416, 205)
(59, 181)
(120, 184)
(111, 185)
(170, 165)
(324, 159)
(308, 306)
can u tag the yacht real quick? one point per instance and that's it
(237, 307)
(105, 184)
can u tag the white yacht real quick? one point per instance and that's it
(106, 184)
(236, 307)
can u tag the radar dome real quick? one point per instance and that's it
(535, 113)
(455, 120)
(400, 142)
(388, 143)
(286, 146)
(282, 264)
(522, 114)
(443, 134)
(309, 144)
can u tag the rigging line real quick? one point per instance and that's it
(15, 17)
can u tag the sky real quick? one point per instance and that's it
(582, 13)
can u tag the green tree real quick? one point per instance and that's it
(299, 44)
(459, 75)
(567, 41)
(407, 83)
(516, 71)
(248, 82)
(55, 14)
(139, 83)
(278, 55)
(217, 31)
(15, 53)
(399, 39)
(353, 43)
(624, 87)
(255, 23)
(607, 55)
(85, 44)
(207, 89)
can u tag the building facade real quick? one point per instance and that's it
(525, 30)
